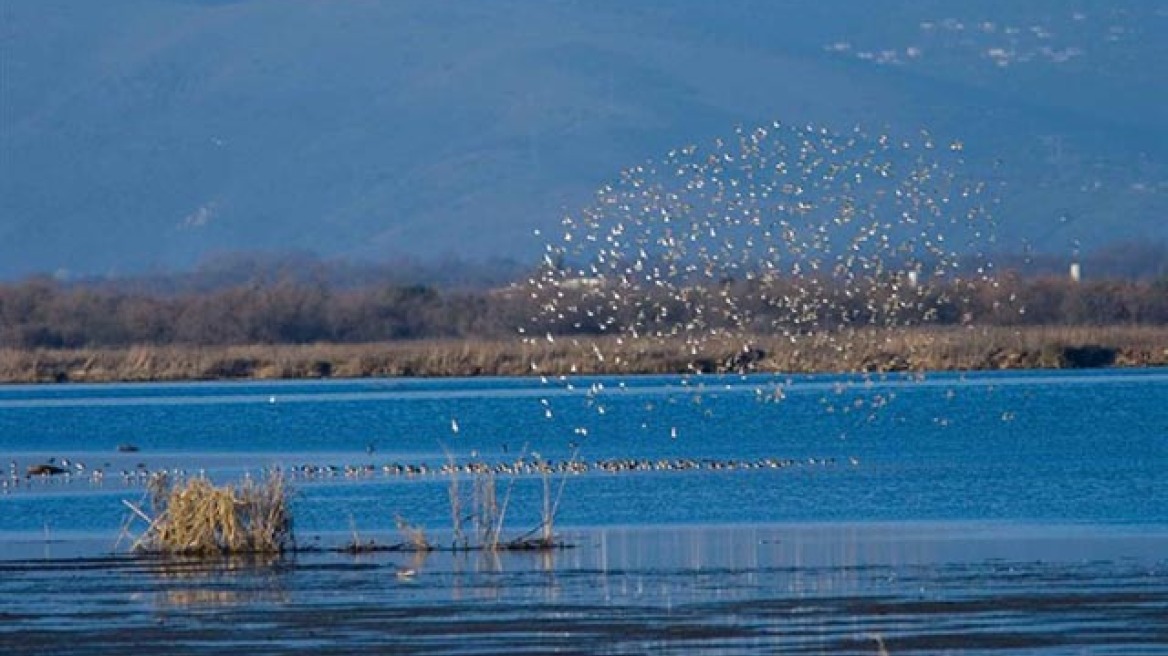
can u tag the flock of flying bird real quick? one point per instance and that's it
(783, 229)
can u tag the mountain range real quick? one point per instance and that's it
(152, 135)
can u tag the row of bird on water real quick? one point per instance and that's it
(68, 471)
(523, 466)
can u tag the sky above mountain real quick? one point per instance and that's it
(140, 135)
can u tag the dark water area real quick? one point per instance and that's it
(803, 589)
(998, 513)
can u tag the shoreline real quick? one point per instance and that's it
(869, 350)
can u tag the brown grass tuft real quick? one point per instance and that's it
(197, 518)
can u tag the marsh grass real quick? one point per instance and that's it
(852, 349)
(487, 511)
(478, 508)
(413, 540)
(415, 536)
(545, 533)
(478, 514)
(356, 545)
(197, 518)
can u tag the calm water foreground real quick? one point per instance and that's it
(977, 513)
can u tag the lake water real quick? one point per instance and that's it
(1017, 512)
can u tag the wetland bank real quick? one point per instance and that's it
(971, 348)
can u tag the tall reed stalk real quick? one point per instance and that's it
(455, 495)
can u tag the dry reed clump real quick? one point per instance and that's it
(197, 518)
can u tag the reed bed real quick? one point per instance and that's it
(197, 518)
(941, 348)
(478, 511)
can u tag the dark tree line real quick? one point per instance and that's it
(43, 313)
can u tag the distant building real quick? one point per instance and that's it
(582, 282)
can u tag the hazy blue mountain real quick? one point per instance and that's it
(154, 134)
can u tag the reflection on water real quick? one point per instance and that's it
(231, 581)
(803, 589)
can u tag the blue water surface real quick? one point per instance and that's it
(1041, 446)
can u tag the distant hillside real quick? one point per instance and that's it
(140, 135)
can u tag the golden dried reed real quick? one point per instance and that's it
(198, 518)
